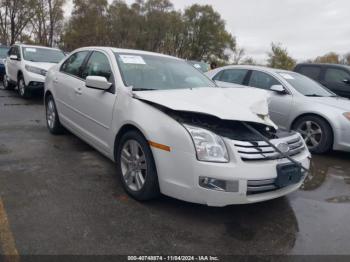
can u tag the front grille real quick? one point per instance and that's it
(260, 150)
(261, 186)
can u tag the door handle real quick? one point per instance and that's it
(78, 91)
(55, 80)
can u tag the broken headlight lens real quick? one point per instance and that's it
(209, 146)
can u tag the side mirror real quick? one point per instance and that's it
(278, 89)
(13, 57)
(97, 82)
(346, 81)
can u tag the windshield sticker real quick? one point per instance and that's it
(132, 59)
(30, 50)
(287, 76)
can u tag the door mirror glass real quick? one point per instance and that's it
(97, 82)
(278, 89)
(13, 57)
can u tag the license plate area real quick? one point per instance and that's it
(288, 174)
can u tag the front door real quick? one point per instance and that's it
(337, 80)
(280, 105)
(13, 65)
(95, 107)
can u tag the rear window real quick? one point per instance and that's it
(310, 71)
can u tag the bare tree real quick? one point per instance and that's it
(15, 16)
(47, 21)
(238, 55)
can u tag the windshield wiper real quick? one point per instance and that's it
(313, 95)
(142, 89)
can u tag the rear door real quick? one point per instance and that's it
(228, 77)
(68, 84)
(337, 80)
(280, 105)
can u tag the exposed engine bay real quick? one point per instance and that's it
(231, 129)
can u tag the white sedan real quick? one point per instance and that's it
(171, 130)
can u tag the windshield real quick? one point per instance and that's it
(3, 52)
(152, 72)
(305, 85)
(43, 55)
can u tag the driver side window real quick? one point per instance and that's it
(98, 65)
(262, 80)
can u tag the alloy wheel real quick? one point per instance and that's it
(311, 132)
(50, 114)
(21, 87)
(133, 165)
(5, 82)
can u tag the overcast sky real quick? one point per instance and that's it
(308, 28)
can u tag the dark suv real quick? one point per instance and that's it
(334, 77)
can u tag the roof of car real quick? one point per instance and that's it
(252, 67)
(324, 65)
(129, 51)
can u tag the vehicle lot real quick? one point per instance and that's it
(62, 197)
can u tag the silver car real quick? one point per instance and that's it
(297, 103)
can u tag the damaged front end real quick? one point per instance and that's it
(251, 146)
(240, 116)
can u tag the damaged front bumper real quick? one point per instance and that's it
(248, 180)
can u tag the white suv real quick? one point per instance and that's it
(26, 67)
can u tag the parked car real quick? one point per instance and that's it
(334, 77)
(3, 55)
(27, 65)
(170, 129)
(297, 103)
(202, 66)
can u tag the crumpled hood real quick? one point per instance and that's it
(338, 102)
(45, 66)
(249, 104)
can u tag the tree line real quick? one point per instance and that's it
(196, 33)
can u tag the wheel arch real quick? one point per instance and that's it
(315, 115)
(19, 73)
(46, 95)
(123, 130)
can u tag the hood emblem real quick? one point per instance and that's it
(283, 147)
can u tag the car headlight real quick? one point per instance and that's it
(347, 115)
(209, 146)
(36, 70)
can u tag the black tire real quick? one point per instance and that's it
(52, 119)
(150, 189)
(325, 139)
(22, 88)
(7, 85)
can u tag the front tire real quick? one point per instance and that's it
(136, 167)
(316, 132)
(52, 120)
(22, 88)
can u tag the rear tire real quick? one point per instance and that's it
(7, 85)
(136, 167)
(52, 120)
(317, 133)
(22, 88)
